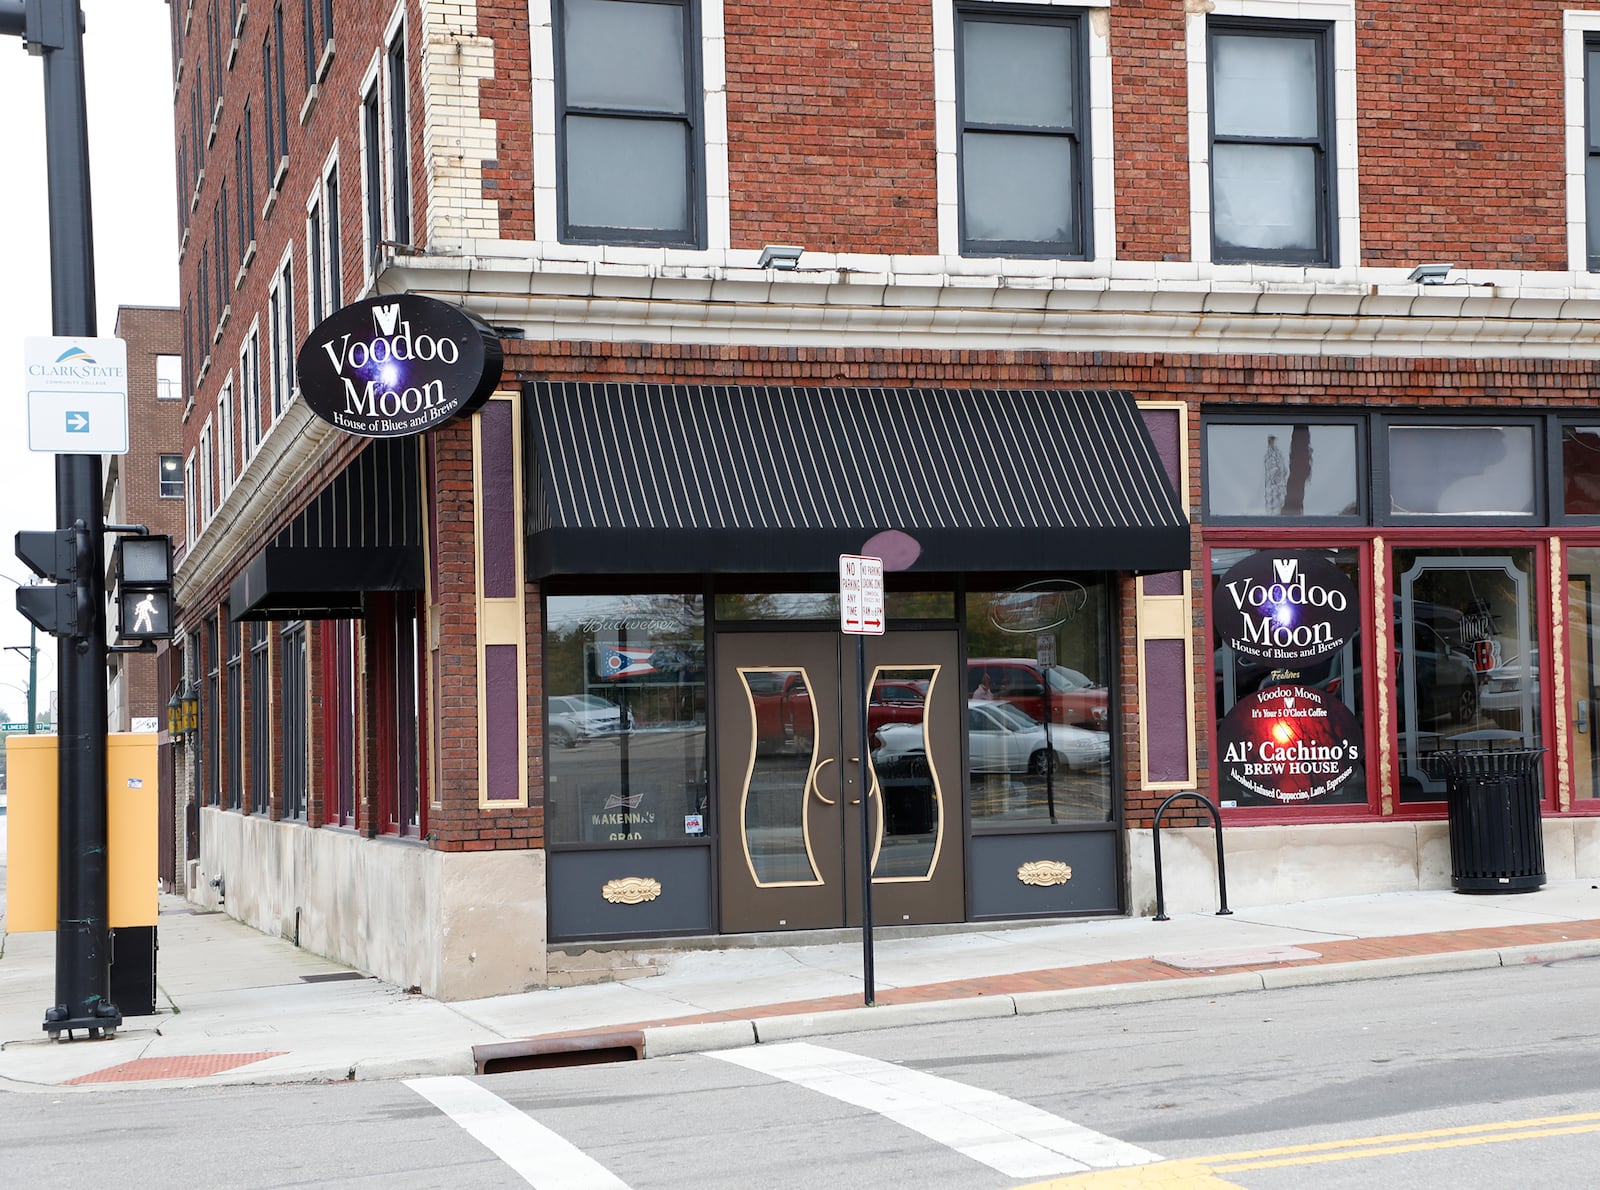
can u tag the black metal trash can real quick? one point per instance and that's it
(1496, 830)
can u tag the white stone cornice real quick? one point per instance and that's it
(1371, 312)
(296, 443)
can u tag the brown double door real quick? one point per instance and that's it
(789, 794)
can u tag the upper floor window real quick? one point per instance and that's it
(280, 332)
(171, 477)
(225, 436)
(1022, 99)
(1271, 86)
(1591, 147)
(628, 122)
(169, 377)
(250, 394)
(399, 141)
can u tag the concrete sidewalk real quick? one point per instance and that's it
(237, 1006)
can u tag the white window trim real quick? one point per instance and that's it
(191, 509)
(395, 28)
(225, 432)
(714, 133)
(1102, 180)
(250, 394)
(1341, 14)
(284, 330)
(370, 235)
(315, 300)
(332, 251)
(208, 496)
(1574, 25)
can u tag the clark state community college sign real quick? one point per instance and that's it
(397, 365)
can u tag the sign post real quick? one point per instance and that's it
(861, 614)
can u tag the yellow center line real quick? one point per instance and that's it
(1417, 1147)
(1398, 1137)
(1200, 1173)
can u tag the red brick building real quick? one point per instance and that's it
(1109, 315)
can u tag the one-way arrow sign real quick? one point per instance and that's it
(77, 422)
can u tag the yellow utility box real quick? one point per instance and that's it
(132, 781)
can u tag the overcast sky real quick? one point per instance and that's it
(128, 64)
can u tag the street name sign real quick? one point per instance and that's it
(860, 595)
(77, 393)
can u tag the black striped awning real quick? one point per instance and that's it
(362, 533)
(647, 478)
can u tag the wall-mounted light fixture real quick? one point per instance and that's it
(780, 256)
(1430, 274)
(183, 709)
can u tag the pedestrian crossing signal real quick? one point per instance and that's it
(144, 587)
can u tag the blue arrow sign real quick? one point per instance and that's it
(77, 422)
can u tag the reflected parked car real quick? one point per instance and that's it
(1021, 681)
(1001, 739)
(575, 717)
(1503, 698)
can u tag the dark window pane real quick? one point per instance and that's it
(1461, 470)
(1580, 470)
(1591, 194)
(1018, 187)
(624, 55)
(1266, 469)
(1017, 74)
(1265, 196)
(1592, 69)
(625, 173)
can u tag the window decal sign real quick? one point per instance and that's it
(1290, 744)
(397, 365)
(1286, 608)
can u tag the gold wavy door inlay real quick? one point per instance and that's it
(1044, 872)
(914, 810)
(631, 890)
(775, 801)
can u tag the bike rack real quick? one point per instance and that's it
(1222, 872)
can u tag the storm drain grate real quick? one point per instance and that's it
(549, 1053)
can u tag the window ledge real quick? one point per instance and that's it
(194, 199)
(282, 172)
(188, 18)
(200, 373)
(188, 406)
(249, 254)
(216, 123)
(310, 105)
(326, 60)
(222, 321)
(238, 24)
(266, 207)
(183, 245)
(177, 80)
(233, 50)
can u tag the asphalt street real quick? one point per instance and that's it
(1477, 1078)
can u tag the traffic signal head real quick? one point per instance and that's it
(144, 587)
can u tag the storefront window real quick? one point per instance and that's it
(1038, 708)
(1583, 672)
(1466, 665)
(1286, 668)
(1266, 469)
(625, 718)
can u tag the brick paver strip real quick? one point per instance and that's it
(183, 1066)
(1148, 970)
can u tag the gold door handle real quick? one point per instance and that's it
(826, 801)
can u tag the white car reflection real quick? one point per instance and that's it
(575, 717)
(1001, 739)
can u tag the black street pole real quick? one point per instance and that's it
(53, 29)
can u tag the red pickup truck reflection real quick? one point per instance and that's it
(783, 707)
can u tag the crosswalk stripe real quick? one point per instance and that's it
(541, 1157)
(1015, 1138)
